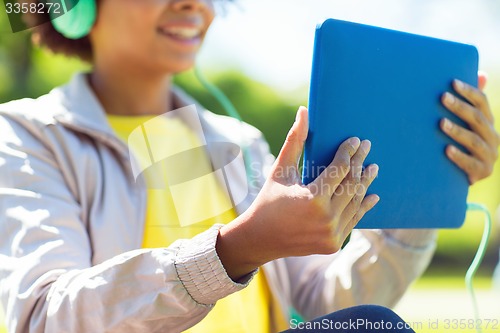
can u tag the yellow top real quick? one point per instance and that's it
(179, 206)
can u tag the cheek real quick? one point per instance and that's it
(125, 25)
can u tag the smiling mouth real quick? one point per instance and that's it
(181, 33)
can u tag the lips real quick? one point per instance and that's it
(181, 33)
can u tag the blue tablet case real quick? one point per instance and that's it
(385, 86)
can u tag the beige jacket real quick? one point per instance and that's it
(72, 221)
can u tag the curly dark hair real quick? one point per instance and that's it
(44, 34)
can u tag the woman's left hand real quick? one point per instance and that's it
(482, 140)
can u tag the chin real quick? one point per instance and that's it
(175, 67)
(184, 68)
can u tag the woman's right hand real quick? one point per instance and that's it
(291, 219)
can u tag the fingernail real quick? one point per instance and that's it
(449, 98)
(373, 172)
(452, 150)
(459, 84)
(354, 142)
(365, 145)
(447, 125)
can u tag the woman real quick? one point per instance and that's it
(88, 249)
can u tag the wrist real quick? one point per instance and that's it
(239, 247)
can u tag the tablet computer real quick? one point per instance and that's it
(385, 86)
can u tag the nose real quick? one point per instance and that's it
(191, 5)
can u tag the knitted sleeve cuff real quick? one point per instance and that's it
(201, 271)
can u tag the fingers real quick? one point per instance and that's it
(470, 140)
(482, 79)
(328, 181)
(482, 140)
(475, 96)
(473, 117)
(474, 168)
(369, 174)
(294, 144)
(368, 203)
(358, 159)
(352, 183)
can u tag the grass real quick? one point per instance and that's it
(432, 281)
(450, 282)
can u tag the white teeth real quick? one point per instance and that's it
(185, 33)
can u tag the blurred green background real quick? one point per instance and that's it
(29, 72)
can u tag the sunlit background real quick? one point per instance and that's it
(271, 41)
(259, 52)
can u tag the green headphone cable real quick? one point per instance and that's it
(478, 258)
(231, 111)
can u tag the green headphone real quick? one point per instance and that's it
(78, 18)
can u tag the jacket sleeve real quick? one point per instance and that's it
(376, 267)
(47, 282)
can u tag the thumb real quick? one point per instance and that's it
(482, 79)
(292, 148)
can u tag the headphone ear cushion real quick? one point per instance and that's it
(77, 20)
